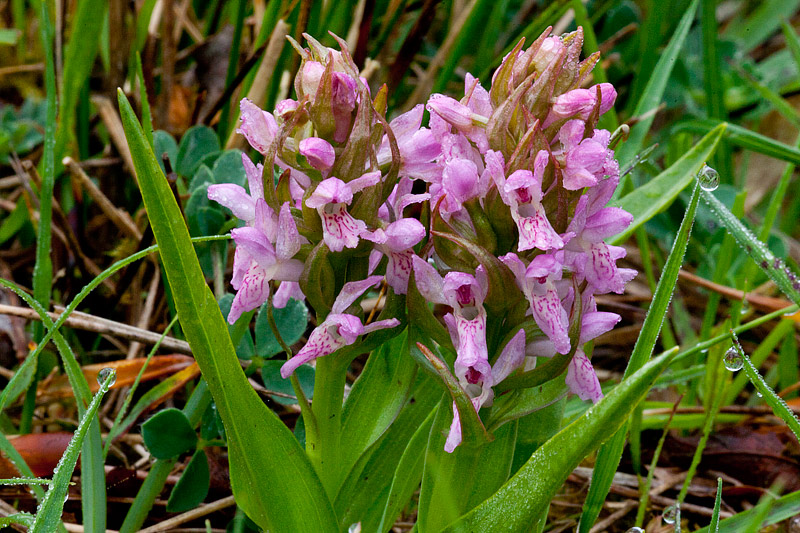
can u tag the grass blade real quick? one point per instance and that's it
(654, 91)
(647, 201)
(48, 515)
(609, 455)
(717, 503)
(288, 497)
(779, 407)
(775, 269)
(745, 138)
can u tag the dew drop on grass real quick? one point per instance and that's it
(104, 374)
(635, 530)
(670, 514)
(709, 178)
(794, 525)
(733, 359)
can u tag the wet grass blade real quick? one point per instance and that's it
(526, 496)
(775, 269)
(654, 91)
(782, 509)
(745, 138)
(272, 478)
(777, 404)
(609, 455)
(647, 201)
(48, 515)
(714, 527)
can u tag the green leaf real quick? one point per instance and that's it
(292, 322)
(285, 498)
(782, 509)
(365, 493)
(228, 168)
(522, 402)
(526, 496)
(746, 139)
(654, 91)
(609, 455)
(164, 143)
(786, 280)
(376, 397)
(758, 26)
(9, 36)
(647, 201)
(48, 515)
(408, 474)
(192, 488)
(168, 434)
(273, 382)
(19, 382)
(454, 483)
(717, 503)
(196, 144)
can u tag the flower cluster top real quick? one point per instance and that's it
(496, 210)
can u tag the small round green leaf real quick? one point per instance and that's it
(270, 374)
(164, 143)
(192, 488)
(197, 143)
(168, 433)
(291, 321)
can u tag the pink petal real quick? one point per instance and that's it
(351, 291)
(253, 291)
(582, 379)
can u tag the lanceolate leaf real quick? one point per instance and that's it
(526, 496)
(272, 479)
(647, 201)
(747, 139)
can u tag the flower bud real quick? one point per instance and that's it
(319, 153)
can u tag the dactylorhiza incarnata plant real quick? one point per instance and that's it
(495, 211)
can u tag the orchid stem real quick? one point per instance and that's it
(329, 384)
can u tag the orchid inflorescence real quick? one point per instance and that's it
(496, 211)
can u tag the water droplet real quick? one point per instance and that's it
(794, 525)
(670, 514)
(635, 530)
(759, 394)
(104, 374)
(709, 178)
(745, 308)
(733, 360)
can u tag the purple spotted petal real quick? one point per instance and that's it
(253, 291)
(429, 283)
(351, 291)
(582, 379)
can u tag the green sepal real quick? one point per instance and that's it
(473, 433)
(318, 280)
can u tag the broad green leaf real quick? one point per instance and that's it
(745, 138)
(654, 91)
(48, 515)
(647, 201)
(168, 434)
(197, 143)
(192, 488)
(228, 168)
(291, 321)
(164, 143)
(526, 496)
(522, 402)
(454, 483)
(376, 398)
(609, 455)
(408, 474)
(272, 479)
(273, 382)
(365, 492)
